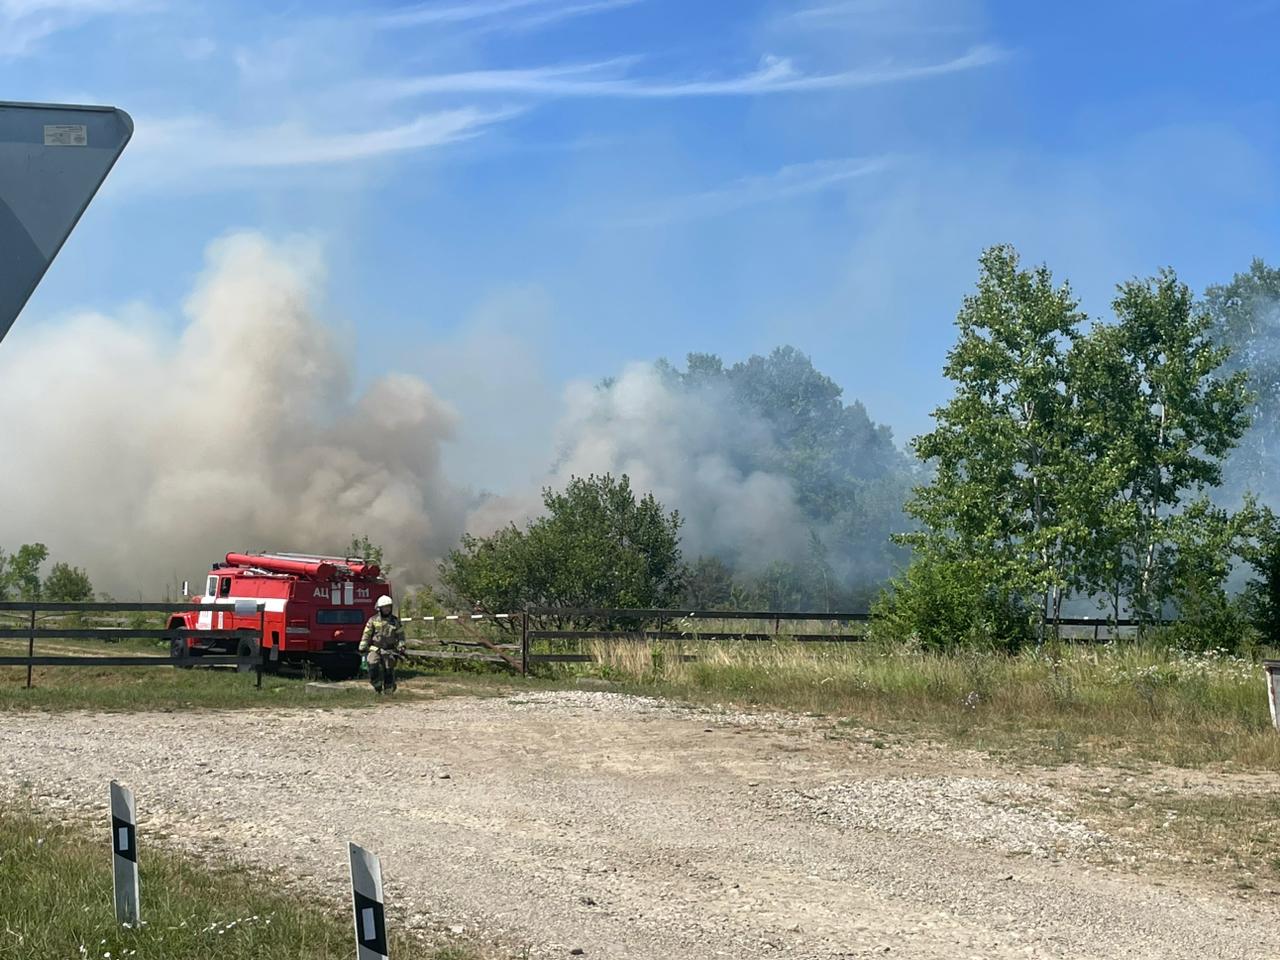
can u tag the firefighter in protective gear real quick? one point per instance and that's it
(382, 645)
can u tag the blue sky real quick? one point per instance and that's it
(513, 194)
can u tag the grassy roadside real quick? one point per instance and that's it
(55, 887)
(111, 689)
(1228, 837)
(158, 688)
(1116, 703)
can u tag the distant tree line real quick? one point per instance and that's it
(1116, 465)
(1122, 467)
(1080, 459)
(20, 577)
(847, 478)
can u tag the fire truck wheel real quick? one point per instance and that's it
(180, 653)
(249, 653)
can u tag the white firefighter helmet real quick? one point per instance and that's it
(384, 602)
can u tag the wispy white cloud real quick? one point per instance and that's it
(791, 181)
(542, 18)
(513, 14)
(197, 143)
(881, 16)
(24, 23)
(608, 79)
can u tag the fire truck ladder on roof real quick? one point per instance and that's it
(310, 557)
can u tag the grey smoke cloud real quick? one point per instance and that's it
(143, 456)
(682, 445)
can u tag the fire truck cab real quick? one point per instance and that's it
(311, 610)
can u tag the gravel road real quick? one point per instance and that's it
(627, 829)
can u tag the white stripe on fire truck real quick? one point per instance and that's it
(270, 604)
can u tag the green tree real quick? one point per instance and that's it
(1161, 420)
(1077, 464)
(368, 551)
(944, 600)
(21, 573)
(1002, 447)
(1260, 548)
(67, 584)
(596, 546)
(708, 584)
(849, 477)
(780, 586)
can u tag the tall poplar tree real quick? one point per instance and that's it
(1002, 446)
(1159, 419)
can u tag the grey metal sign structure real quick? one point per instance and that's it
(368, 905)
(124, 854)
(53, 158)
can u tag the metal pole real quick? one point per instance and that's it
(31, 644)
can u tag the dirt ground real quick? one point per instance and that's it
(626, 828)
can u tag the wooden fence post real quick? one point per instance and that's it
(524, 644)
(31, 644)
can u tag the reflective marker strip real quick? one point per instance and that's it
(124, 839)
(368, 909)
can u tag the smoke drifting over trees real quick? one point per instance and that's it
(771, 472)
(142, 454)
(1246, 317)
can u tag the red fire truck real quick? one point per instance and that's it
(311, 610)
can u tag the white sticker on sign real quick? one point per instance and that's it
(66, 135)
(370, 928)
(122, 839)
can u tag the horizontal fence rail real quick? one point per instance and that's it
(579, 630)
(561, 634)
(710, 635)
(252, 657)
(92, 661)
(110, 606)
(121, 633)
(618, 613)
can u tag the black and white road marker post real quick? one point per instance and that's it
(124, 854)
(367, 903)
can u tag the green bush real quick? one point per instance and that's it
(943, 603)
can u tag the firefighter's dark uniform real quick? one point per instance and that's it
(382, 644)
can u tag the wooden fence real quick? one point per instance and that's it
(521, 640)
(514, 641)
(34, 614)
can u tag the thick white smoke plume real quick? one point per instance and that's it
(683, 446)
(142, 456)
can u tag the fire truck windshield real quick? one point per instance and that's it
(332, 616)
